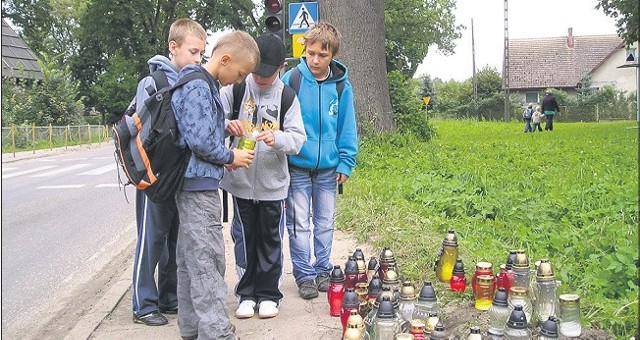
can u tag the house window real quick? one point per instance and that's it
(531, 97)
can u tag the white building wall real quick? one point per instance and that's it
(624, 79)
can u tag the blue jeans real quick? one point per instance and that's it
(311, 191)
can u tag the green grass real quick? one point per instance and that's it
(570, 195)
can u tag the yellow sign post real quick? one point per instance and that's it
(426, 100)
(297, 44)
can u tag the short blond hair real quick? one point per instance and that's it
(326, 34)
(239, 44)
(184, 27)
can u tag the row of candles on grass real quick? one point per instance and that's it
(373, 303)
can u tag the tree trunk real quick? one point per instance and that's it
(361, 23)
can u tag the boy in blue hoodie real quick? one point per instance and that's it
(325, 160)
(158, 222)
(202, 291)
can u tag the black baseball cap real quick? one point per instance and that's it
(272, 54)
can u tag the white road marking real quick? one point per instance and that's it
(8, 169)
(57, 171)
(25, 172)
(66, 186)
(100, 170)
(109, 185)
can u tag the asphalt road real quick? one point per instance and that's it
(64, 218)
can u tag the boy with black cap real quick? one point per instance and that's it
(259, 192)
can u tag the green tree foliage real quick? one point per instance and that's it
(137, 31)
(54, 101)
(412, 26)
(47, 26)
(455, 99)
(627, 16)
(489, 81)
(113, 87)
(407, 113)
(427, 89)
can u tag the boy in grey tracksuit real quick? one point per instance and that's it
(259, 192)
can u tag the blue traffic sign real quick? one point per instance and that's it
(302, 16)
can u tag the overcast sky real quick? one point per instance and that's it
(527, 19)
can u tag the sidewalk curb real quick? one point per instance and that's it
(10, 157)
(109, 301)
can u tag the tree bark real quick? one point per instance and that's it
(361, 23)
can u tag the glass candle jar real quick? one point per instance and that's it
(458, 282)
(498, 313)
(336, 290)
(474, 333)
(518, 296)
(484, 292)
(482, 268)
(570, 315)
(417, 329)
(503, 281)
(447, 256)
(516, 328)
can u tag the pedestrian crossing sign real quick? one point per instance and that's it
(302, 16)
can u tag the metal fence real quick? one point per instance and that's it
(31, 137)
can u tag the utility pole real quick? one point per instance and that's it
(505, 65)
(475, 80)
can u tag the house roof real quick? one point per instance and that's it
(18, 60)
(550, 62)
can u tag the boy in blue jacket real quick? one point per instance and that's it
(325, 160)
(202, 291)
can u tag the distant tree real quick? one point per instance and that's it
(412, 26)
(47, 26)
(627, 15)
(427, 89)
(489, 82)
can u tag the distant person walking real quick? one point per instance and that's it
(537, 119)
(549, 108)
(526, 115)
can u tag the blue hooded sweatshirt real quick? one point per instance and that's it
(200, 120)
(330, 124)
(157, 62)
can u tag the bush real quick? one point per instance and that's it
(407, 108)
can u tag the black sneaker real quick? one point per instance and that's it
(323, 282)
(151, 319)
(173, 310)
(308, 289)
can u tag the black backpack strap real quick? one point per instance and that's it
(189, 77)
(238, 94)
(286, 100)
(160, 81)
(296, 78)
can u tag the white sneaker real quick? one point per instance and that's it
(246, 309)
(268, 309)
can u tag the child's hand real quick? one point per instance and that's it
(242, 158)
(236, 128)
(341, 178)
(268, 137)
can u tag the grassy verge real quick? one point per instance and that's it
(570, 195)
